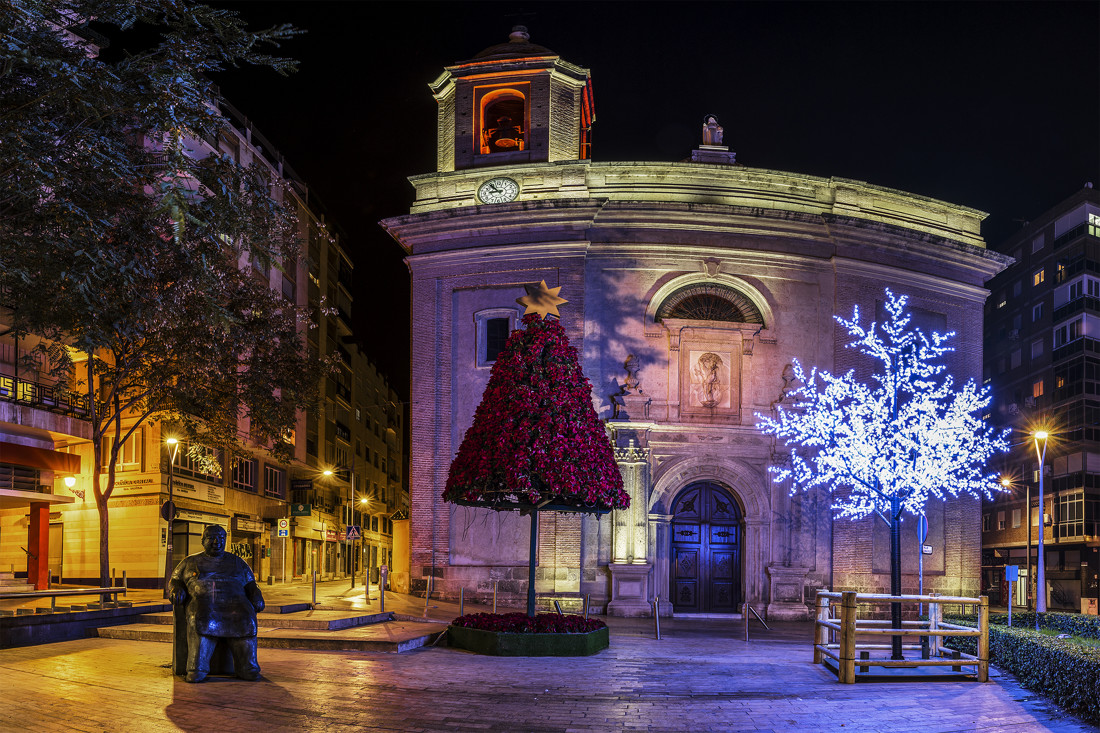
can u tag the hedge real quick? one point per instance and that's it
(1064, 670)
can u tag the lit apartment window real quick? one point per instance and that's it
(1094, 225)
(1038, 277)
(205, 464)
(244, 474)
(1017, 517)
(274, 482)
(1037, 388)
(131, 456)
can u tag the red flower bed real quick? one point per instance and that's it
(521, 623)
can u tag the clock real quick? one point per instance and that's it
(498, 190)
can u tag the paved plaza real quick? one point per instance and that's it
(701, 676)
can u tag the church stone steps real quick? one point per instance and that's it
(319, 620)
(388, 636)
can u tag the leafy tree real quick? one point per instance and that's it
(536, 442)
(887, 447)
(128, 242)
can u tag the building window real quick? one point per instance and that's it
(199, 462)
(1037, 244)
(1069, 332)
(131, 456)
(1038, 277)
(1017, 517)
(1036, 312)
(244, 474)
(274, 482)
(492, 328)
(985, 522)
(1015, 358)
(1094, 225)
(1037, 388)
(1017, 288)
(1000, 520)
(1036, 348)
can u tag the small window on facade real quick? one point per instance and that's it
(496, 334)
(1017, 288)
(274, 482)
(1037, 244)
(1000, 520)
(1036, 348)
(1036, 312)
(985, 522)
(1017, 517)
(131, 456)
(1037, 388)
(1015, 359)
(244, 474)
(1038, 277)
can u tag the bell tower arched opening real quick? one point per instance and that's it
(707, 536)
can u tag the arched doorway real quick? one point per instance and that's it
(705, 555)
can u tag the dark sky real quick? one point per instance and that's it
(990, 105)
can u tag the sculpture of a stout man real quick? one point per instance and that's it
(222, 601)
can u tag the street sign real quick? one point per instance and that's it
(353, 532)
(301, 510)
(922, 529)
(284, 524)
(926, 549)
(1012, 572)
(284, 532)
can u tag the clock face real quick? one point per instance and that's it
(498, 191)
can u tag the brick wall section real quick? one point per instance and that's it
(431, 388)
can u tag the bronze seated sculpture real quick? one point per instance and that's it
(215, 593)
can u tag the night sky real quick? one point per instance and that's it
(990, 105)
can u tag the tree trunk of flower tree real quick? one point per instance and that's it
(895, 573)
(533, 558)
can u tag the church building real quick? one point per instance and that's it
(691, 287)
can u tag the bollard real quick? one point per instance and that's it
(657, 616)
(382, 590)
(983, 640)
(587, 601)
(313, 603)
(124, 583)
(366, 590)
(113, 581)
(461, 601)
(495, 595)
(745, 615)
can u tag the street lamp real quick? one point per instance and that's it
(168, 511)
(1040, 571)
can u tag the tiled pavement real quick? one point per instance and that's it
(702, 676)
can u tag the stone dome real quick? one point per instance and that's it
(518, 46)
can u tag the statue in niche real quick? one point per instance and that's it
(788, 384)
(712, 131)
(220, 599)
(632, 366)
(708, 384)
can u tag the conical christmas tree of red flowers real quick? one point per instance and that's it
(536, 439)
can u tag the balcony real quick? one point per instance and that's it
(43, 396)
(1075, 306)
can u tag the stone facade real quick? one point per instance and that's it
(691, 286)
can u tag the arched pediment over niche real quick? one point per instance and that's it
(749, 485)
(709, 301)
(716, 299)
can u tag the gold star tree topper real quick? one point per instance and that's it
(541, 299)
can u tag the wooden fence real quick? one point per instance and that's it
(835, 637)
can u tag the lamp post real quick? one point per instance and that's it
(1040, 561)
(168, 511)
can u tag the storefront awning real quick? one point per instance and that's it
(49, 460)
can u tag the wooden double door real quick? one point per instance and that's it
(705, 559)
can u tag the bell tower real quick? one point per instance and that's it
(513, 103)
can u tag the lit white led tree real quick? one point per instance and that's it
(888, 446)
